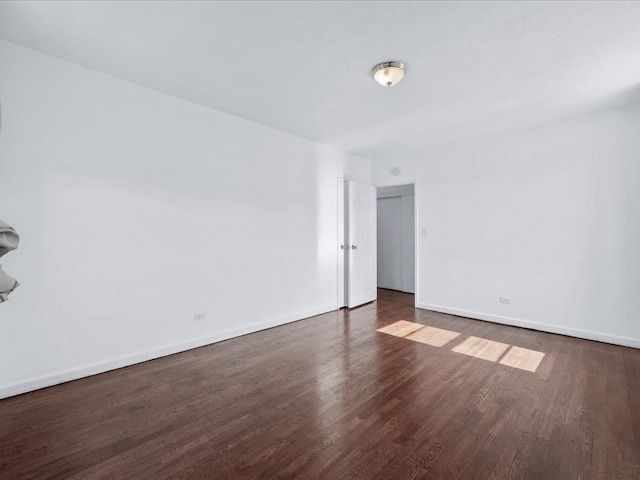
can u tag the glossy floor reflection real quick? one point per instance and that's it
(383, 391)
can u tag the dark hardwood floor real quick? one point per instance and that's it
(431, 396)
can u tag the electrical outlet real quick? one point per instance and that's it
(504, 300)
(199, 316)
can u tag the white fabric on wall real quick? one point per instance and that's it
(9, 241)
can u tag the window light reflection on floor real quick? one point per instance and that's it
(401, 328)
(436, 337)
(502, 353)
(522, 358)
(482, 348)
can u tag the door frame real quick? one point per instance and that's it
(342, 264)
(417, 231)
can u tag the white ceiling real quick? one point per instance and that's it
(473, 68)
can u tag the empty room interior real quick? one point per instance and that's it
(320, 240)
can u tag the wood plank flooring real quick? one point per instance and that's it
(331, 397)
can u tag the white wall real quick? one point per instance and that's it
(548, 218)
(137, 210)
(408, 244)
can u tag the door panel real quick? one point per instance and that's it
(362, 271)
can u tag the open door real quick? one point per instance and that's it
(362, 249)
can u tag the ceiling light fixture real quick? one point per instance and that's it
(388, 74)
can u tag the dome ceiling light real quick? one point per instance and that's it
(388, 74)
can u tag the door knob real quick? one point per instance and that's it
(341, 247)
(353, 247)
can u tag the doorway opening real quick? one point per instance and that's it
(396, 238)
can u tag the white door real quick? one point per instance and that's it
(362, 269)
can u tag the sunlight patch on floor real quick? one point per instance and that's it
(502, 353)
(436, 337)
(401, 328)
(522, 358)
(482, 348)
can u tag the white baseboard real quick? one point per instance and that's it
(543, 327)
(56, 378)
